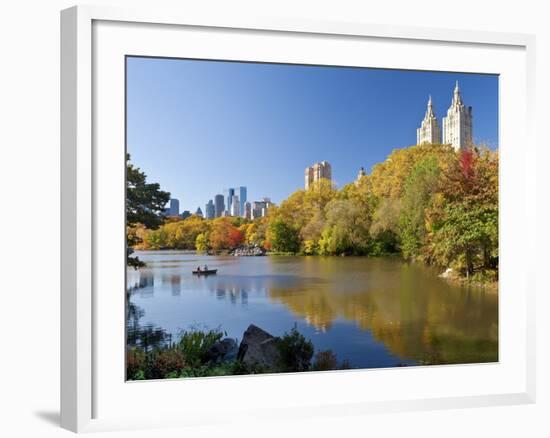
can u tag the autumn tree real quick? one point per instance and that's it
(464, 223)
(224, 235)
(177, 235)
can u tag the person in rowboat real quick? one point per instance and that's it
(198, 269)
(205, 268)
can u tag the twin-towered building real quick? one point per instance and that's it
(457, 126)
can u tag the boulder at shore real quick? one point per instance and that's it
(258, 347)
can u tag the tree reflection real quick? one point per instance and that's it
(429, 322)
(145, 336)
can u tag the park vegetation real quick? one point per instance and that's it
(152, 355)
(426, 202)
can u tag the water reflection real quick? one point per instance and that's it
(375, 312)
(140, 280)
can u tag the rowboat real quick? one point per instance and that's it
(207, 272)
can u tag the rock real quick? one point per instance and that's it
(258, 347)
(448, 273)
(223, 351)
(248, 251)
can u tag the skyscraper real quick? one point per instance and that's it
(198, 212)
(242, 198)
(260, 208)
(174, 209)
(316, 172)
(229, 193)
(429, 131)
(219, 205)
(247, 213)
(235, 206)
(457, 126)
(210, 210)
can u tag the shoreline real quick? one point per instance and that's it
(490, 286)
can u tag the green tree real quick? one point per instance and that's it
(419, 188)
(384, 228)
(349, 227)
(464, 233)
(283, 236)
(144, 204)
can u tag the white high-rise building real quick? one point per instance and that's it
(457, 126)
(316, 172)
(429, 131)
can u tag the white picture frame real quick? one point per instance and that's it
(92, 41)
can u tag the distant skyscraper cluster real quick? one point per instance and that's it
(457, 126)
(316, 172)
(234, 203)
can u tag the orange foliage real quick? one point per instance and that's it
(225, 235)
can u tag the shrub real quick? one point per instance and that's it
(166, 363)
(135, 363)
(295, 352)
(310, 247)
(345, 365)
(325, 361)
(194, 345)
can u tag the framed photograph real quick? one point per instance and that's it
(290, 218)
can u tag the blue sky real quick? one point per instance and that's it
(198, 127)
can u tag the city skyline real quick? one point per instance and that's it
(237, 205)
(275, 120)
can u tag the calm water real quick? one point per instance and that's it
(374, 312)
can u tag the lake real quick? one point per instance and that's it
(373, 312)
